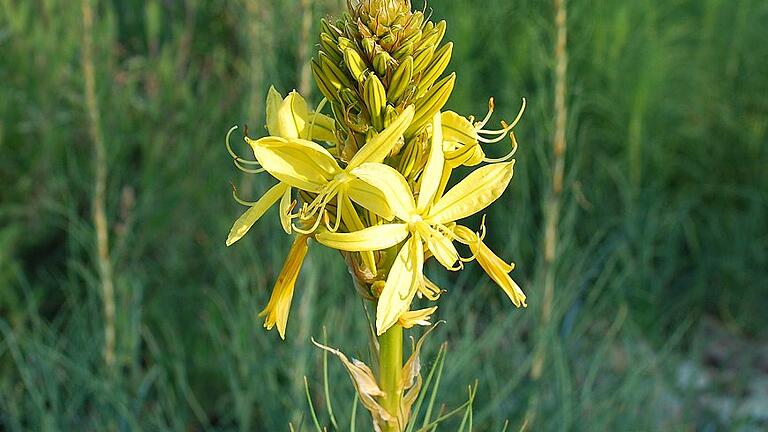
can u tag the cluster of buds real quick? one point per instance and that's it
(374, 62)
(370, 178)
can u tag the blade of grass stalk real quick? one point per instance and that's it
(433, 397)
(433, 425)
(427, 383)
(326, 385)
(312, 406)
(467, 420)
(353, 416)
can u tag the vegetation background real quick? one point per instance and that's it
(661, 273)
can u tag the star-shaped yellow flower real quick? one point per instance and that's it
(287, 118)
(426, 222)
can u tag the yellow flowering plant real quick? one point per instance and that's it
(371, 180)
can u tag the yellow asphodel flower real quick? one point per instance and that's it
(279, 306)
(426, 222)
(308, 166)
(286, 118)
(495, 267)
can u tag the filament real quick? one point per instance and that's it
(508, 156)
(247, 170)
(310, 231)
(241, 201)
(501, 134)
(319, 108)
(237, 160)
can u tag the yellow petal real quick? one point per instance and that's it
(458, 129)
(369, 239)
(476, 192)
(402, 283)
(433, 172)
(378, 148)
(300, 163)
(370, 198)
(292, 116)
(279, 305)
(353, 223)
(250, 217)
(443, 249)
(274, 101)
(319, 127)
(391, 184)
(285, 211)
(499, 271)
(419, 317)
(477, 157)
(430, 290)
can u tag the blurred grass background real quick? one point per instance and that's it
(661, 274)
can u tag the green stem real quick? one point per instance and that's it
(390, 370)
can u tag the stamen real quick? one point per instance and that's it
(310, 231)
(499, 139)
(482, 233)
(319, 108)
(506, 128)
(508, 156)
(491, 106)
(337, 225)
(232, 152)
(247, 170)
(241, 201)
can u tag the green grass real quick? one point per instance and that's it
(664, 219)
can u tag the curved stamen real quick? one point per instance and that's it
(491, 107)
(232, 152)
(311, 230)
(247, 170)
(337, 225)
(502, 132)
(241, 201)
(319, 108)
(498, 139)
(508, 156)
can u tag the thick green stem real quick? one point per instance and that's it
(390, 370)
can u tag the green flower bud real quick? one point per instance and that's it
(375, 96)
(422, 58)
(432, 102)
(355, 64)
(381, 62)
(439, 63)
(400, 80)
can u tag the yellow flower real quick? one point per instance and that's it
(462, 138)
(279, 306)
(290, 118)
(494, 266)
(308, 166)
(419, 317)
(287, 118)
(425, 222)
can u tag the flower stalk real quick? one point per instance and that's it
(390, 371)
